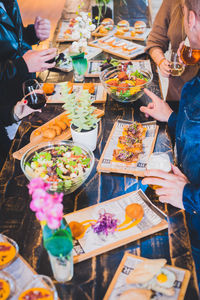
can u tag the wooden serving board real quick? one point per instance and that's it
(127, 35)
(105, 44)
(90, 244)
(118, 284)
(36, 139)
(61, 37)
(106, 163)
(99, 96)
(94, 66)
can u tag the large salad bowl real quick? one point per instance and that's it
(64, 165)
(125, 86)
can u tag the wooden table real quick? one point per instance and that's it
(93, 276)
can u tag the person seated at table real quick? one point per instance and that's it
(18, 62)
(8, 116)
(181, 188)
(168, 28)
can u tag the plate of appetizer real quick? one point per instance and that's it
(145, 279)
(113, 223)
(128, 148)
(57, 129)
(95, 67)
(67, 31)
(119, 47)
(57, 92)
(64, 61)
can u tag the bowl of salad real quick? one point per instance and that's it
(64, 165)
(123, 84)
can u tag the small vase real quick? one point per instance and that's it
(78, 77)
(86, 138)
(62, 267)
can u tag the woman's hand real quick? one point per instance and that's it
(21, 110)
(164, 67)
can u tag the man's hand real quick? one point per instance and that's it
(172, 185)
(157, 109)
(42, 28)
(37, 60)
(165, 68)
(21, 110)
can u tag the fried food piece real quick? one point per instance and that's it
(134, 211)
(90, 87)
(136, 294)
(135, 130)
(66, 120)
(76, 228)
(70, 86)
(102, 29)
(120, 32)
(124, 156)
(49, 133)
(130, 143)
(61, 124)
(48, 88)
(57, 128)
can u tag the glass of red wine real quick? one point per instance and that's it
(34, 94)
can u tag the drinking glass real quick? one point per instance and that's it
(34, 94)
(39, 284)
(159, 161)
(177, 68)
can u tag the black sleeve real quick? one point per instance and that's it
(6, 115)
(30, 35)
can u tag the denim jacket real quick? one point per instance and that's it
(186, 128)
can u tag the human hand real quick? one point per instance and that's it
(172, 185)
(157, 109)
(21, 110)
(179, 50)
(164, 67)
(42, 28)
(37, 60)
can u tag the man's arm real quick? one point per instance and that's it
(191, 198)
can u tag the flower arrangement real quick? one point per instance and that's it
(80, 110)
(83, 27)
(48, 208)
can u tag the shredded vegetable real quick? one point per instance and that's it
(105, 224)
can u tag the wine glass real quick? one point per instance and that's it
(160, 161)
(34, 94)
(177, 68)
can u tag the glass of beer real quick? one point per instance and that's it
(177, 68)
(159, 161)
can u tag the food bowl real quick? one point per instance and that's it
(64, 165)
(125, 86)
(9, 251)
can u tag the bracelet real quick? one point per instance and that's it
(160, 62)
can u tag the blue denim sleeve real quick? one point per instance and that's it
(172, 124)
(191, 198)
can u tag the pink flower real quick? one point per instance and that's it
(53, 223)
(47, 206)
(37, 183)
(38, 199)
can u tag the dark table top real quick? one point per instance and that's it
(93, 276)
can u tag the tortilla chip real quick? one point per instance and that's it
(145, 271)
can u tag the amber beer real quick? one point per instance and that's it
(159, 161)
(189, 56)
